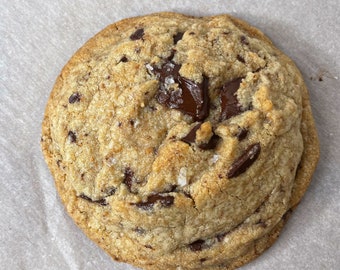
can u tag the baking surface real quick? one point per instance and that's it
(38, 37)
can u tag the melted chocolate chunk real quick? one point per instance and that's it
(72, 136)
(100, 201)
(195, 98)
(211, 144)
(148, 246)
(138, 34)
(168, 71)
(177, 37)
(242, 163)
(165, 201)
(191, 136)
(172, 55)
(75, 97)
(128, 178)
(244, 40)
(240, 58)
(190, 98)
(123, 59)
(197, 245)
(229, 103)
(242, 134)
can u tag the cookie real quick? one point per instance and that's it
(180, 142)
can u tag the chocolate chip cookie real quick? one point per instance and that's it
(179, 142)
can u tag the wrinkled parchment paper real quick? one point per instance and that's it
(38, 37)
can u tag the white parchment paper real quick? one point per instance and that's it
(38, 37)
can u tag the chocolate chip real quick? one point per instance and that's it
(72, 137)
(202, 260)
(85, 197)
(123, 59)
(242, 163)
(75, 97)
(168, 71)
(190, 98)
(195, 98)
(172, 54)
(197, 245)
(242, 134)
(58, 163)
(100, 201)
(177, 37)
(211, 144)
(229, 103)
(128, 178)
(192, 33)
(148, 246)
(191, 136)
(165, 201)
(138, 34)
(244, 40)
(240, 58)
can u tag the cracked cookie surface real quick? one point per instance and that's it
(179, 142)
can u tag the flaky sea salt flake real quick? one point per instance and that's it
(182, 177)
